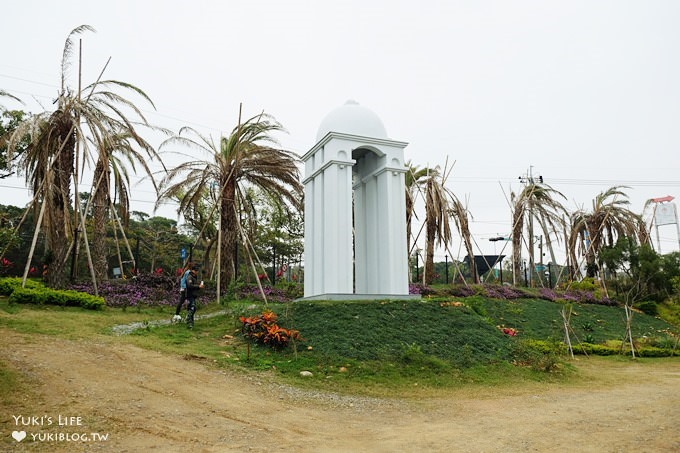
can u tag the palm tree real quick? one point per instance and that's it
(49, 162)
(609, 220)
(460, 216)
(9, 119)
(247, 157)
(275, 229)
(413, 182)
(537, 201)
(5, 94)
(113, 159)
(200, 218)
(437, 202)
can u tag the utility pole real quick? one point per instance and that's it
(76, 198)
(495, 239)
(273, 264)
(416, 252)
(529, 179)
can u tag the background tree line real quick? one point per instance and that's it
(241, 198)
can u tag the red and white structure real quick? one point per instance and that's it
(664, 212)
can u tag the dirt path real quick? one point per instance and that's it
(149, 401)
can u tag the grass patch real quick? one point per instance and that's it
(10, 386)
(541, 319)
(669, 311)
(377, 348)
(78, 323)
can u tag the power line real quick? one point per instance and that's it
(576, 181)
(151, 112)
(163, 203)
(51, 85)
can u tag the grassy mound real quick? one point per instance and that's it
(439, 342)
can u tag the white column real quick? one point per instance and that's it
(391, 256)
(373, 234)
(309, 236)
(337, 209)
(360, 252)
(384, 252)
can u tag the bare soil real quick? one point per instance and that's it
(148, 401)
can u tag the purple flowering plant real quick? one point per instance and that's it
(143, 290)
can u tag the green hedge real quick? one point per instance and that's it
(642, 351)
(9, 284)
(47, 296)
(546, 347)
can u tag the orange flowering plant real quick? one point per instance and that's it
(263, 329)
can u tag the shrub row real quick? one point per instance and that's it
(47, 296)
(641, 351)
(548, 347)
(9, 284)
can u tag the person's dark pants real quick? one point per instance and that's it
(182, 298)
(191, 309)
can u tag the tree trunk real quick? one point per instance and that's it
(409, 216)
(229, 234)
(429, 255)
(206, 255)
(57, 213)
(591, 251)
(517, 224)
(99, 210)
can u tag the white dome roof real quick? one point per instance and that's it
(353, 119)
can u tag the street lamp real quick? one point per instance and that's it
(416, 252)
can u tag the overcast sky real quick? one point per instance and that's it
(583, 93)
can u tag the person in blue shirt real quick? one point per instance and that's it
(193, 286)
(182, 293)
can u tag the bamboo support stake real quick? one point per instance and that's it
(75, 242)
(120, 259)
(629, 334)
(122, 230)
(219, 228)
(35, 240)
(89, 256)
(77, 213)
(567, 328)
(219, 250)
(246, 243)
(21, 222)
(566, 318)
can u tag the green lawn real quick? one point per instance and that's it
(367, 347)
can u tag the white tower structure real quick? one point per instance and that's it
(354, 182)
